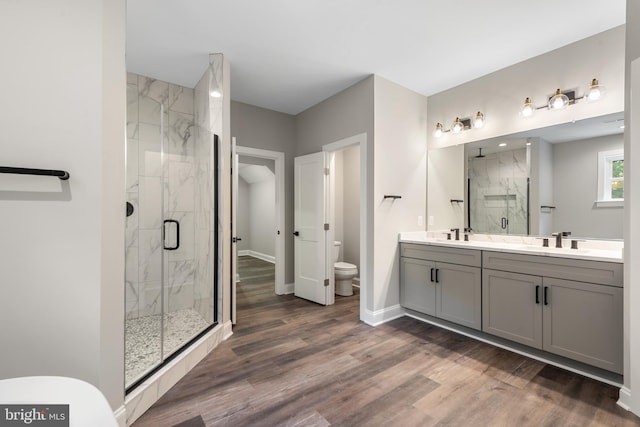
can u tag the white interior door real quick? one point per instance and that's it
(234, 231)
(310, 248)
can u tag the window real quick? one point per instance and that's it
(610, 178)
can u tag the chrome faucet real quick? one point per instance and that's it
(559, 235)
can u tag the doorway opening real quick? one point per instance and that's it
(347, 213)
(258, 211)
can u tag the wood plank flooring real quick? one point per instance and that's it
(294, 363)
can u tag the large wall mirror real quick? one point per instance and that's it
(568, 177)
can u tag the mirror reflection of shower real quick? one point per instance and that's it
(498, 192)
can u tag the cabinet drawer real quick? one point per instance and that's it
(460, 256)
(604, 273)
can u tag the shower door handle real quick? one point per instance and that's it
(164, 234)
(504, 222)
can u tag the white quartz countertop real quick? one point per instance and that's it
(593, 250)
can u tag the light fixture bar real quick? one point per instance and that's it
(561, 99)
(459, 125)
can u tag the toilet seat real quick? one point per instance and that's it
(344, 266)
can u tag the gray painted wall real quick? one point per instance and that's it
(243, 212)
(347, 203)
(262, 220)
(575, 178)
(62, 257)
(257, 127)
(348, 113)
(338, 199)
(345, 114)
(351, 205)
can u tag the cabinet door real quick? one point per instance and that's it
(417, 291)
(512, 306)
(583, 321)
(459, 294)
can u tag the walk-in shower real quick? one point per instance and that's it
(498, 192)
(170, 226)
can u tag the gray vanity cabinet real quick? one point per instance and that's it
(570, 318)
(417, 291)
(512, 307)
(583, 321)
(442, 282)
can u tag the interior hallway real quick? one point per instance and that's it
(292, 362)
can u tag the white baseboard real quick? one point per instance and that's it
(121, 416)
(624, 398)
(378, 317)
(264, 257)
(288, 289)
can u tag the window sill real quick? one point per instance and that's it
(609, 203)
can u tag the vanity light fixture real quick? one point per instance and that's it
(558, 101)
(594, 93)
(460, 125)
(528, 108)
(561, 99)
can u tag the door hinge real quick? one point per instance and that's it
(326, 282)
(326, 171)
(326, 227)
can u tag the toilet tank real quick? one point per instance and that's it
(336, 250)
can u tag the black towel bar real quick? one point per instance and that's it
(63, 175)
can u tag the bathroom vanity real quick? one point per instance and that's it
(557, 304)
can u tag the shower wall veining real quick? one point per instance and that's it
(160, 113)
(499, 189)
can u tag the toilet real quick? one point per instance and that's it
(344, 272)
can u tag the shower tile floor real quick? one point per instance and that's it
(142, 338)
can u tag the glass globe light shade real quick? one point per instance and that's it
(478, 122)
(439, 130)
(558, 101)
(527, 108)
(594, 92)
(458, 126)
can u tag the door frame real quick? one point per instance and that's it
(366, 256)
(278, 157)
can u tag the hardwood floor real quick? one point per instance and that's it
(294, 363)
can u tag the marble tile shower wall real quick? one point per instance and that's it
(498, 184)
(208, 121)
(160, 178)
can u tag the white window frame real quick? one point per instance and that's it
(605, 160)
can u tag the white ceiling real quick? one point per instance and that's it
(253, 174)
(287, 55)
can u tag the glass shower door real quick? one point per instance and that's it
(187, 257)
(171, 218)
(144, 273)
(499, 207)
